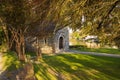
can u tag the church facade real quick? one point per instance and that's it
(56, 43)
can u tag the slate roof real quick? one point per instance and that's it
(42, 30)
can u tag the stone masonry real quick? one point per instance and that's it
(56, 43)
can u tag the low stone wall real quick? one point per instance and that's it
(92, 45)
(47, 49)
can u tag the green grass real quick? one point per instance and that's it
(69, 67)
(77, 67)
(99, 50)
(10, 61)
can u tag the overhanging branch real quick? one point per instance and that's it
(110, 10)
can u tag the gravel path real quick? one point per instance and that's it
(1, 68)
(93, 53)
(0, 63)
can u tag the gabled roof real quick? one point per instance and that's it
(42, 30)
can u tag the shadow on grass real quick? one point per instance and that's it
(77, 67)
(68, 67)
(9, 67)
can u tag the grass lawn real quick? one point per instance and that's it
(10, 62)
(70, 67)
(99, 50)
(77, 67)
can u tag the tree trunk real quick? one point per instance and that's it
(23, 47)
(38, 51)
(53, 47)
(20, 49)
(18, 38)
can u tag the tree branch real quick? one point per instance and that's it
(110, 10)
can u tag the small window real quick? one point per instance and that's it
(45, 40)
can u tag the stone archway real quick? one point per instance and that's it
(61, 43)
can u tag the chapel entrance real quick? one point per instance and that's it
(61, 43)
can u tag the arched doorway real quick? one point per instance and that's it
(61, 43)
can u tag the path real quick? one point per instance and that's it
(93, 53)
(1, 65)
(1, 68)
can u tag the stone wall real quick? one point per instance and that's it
(44, 43)
(61, 33)
(92, 45)
(49, 44)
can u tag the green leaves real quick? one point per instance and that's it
(13, 12)
(40, 13)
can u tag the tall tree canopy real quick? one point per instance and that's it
(14, 16)
(26, 16)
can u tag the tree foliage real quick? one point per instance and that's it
(13, 16)
(104, 17)
(33, 17)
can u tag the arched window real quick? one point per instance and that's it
(61, 43)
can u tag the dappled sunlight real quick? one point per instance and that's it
(77, 67)
(70, 67)
(95, 74)
(85, 59)
(101, 74)
(44, 72)
(10, 65)
(10, 61)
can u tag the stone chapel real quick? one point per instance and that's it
(56, 43)
(52, 41)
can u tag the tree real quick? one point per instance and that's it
(14, 15)
(104, 17)
(24, 17)
(1, 36)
